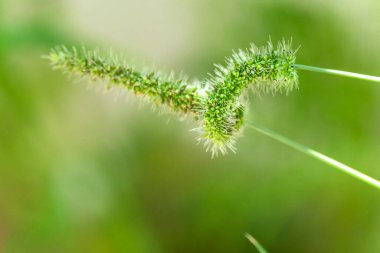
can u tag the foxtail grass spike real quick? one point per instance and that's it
(216, 102)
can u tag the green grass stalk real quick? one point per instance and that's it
(255, 243)
(315, 154)
(338, 73)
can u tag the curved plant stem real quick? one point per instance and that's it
(255, 243)
(316, 155)
(338, 73)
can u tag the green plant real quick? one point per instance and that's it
(217, 103)
(255, 243)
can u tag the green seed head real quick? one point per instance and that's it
(217, 103)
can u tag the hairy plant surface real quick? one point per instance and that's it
(217, 102)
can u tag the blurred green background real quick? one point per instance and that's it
(82, 170)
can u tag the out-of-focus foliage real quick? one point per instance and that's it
(83, 171)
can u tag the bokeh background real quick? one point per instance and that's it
(82, 170)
